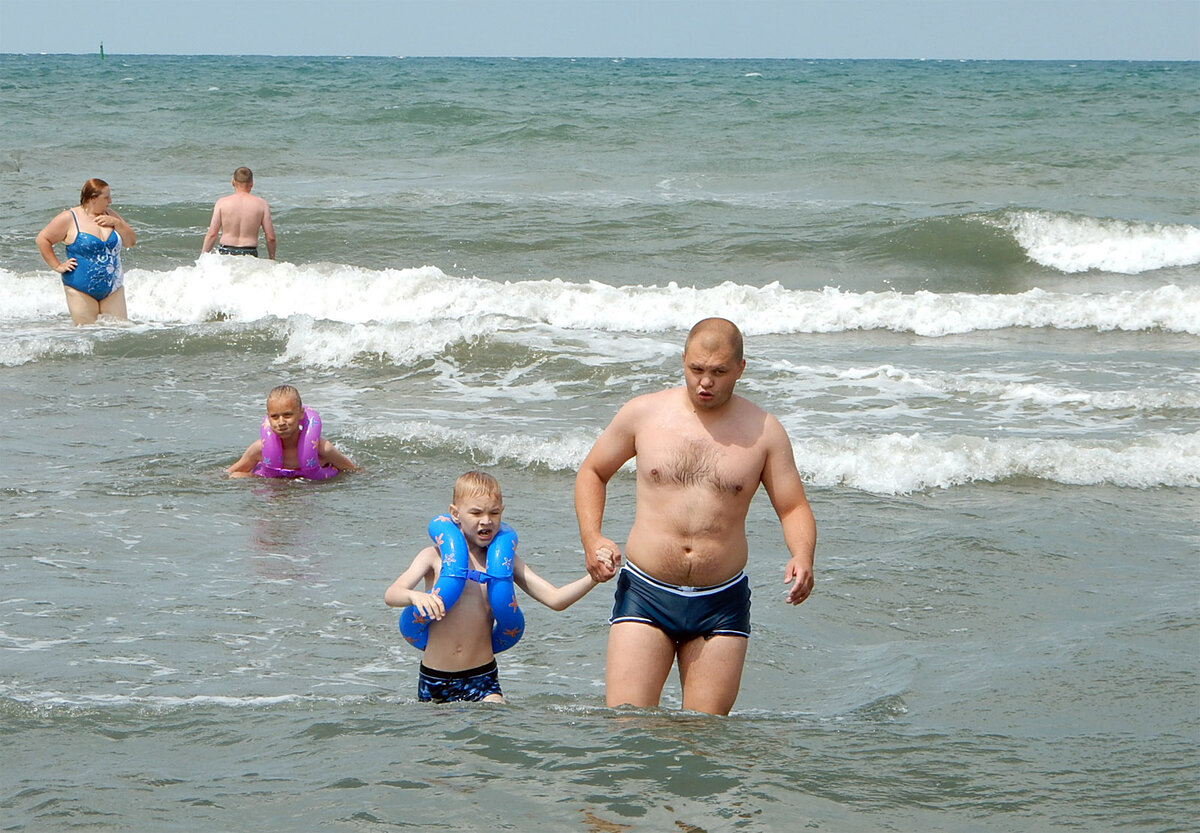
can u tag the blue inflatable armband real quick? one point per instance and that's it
(449, 540)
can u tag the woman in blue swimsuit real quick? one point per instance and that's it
(93, 234)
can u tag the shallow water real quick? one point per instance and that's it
(970, 293)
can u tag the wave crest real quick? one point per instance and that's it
(1075, 244)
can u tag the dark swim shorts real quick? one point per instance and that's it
(683, 613)
(451, 686)
(222, 249)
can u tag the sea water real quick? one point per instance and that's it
(970, 292)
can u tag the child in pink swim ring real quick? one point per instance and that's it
(290, 444)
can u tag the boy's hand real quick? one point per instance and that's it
(428, 605)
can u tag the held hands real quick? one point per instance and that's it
(801, 577)
(603, 559)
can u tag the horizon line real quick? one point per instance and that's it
(341, 56)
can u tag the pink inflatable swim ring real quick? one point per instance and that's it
(307, 447)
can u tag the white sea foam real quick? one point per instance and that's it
(899, 464)
(326, 344)
(424, 296)
(891, 381)
(558, 453)
(1080, 244)
(59, 699)
(887, 464)
(27, 344)
(247, 290)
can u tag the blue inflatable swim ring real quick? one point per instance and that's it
(455, 572)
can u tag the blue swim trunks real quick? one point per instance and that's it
(683, 613)
(451, 686)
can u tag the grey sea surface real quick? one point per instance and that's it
(970, 292)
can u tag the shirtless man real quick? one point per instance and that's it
(701, 452)
(237, 217)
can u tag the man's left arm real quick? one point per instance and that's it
(782, 481)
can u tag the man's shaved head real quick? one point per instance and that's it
(715, 333)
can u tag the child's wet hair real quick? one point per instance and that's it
(474, 484)
(285, 392)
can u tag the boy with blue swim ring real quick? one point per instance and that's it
(460, 661)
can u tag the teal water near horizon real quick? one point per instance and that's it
(971, 293)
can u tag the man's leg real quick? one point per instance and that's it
(711, 672)
(639, 660)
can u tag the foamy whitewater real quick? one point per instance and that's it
(970, 293)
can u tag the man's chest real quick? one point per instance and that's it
(682, 459)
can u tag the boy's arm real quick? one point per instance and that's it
(402, 594)
(244, 467)
(330, 456)
(555, 598)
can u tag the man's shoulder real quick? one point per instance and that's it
(744, 409)
(655, 402)
(241, 197)
(749, 406)
(660, 397)
(759, 421)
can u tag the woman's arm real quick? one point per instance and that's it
(55, 232)
(111, 219)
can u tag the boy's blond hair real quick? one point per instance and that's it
(476, 484)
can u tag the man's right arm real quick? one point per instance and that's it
(214, 228)
(611, 450)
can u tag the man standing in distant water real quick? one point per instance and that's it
(238, 217)
(701, 452)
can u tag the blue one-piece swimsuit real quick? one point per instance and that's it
(97, 269)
